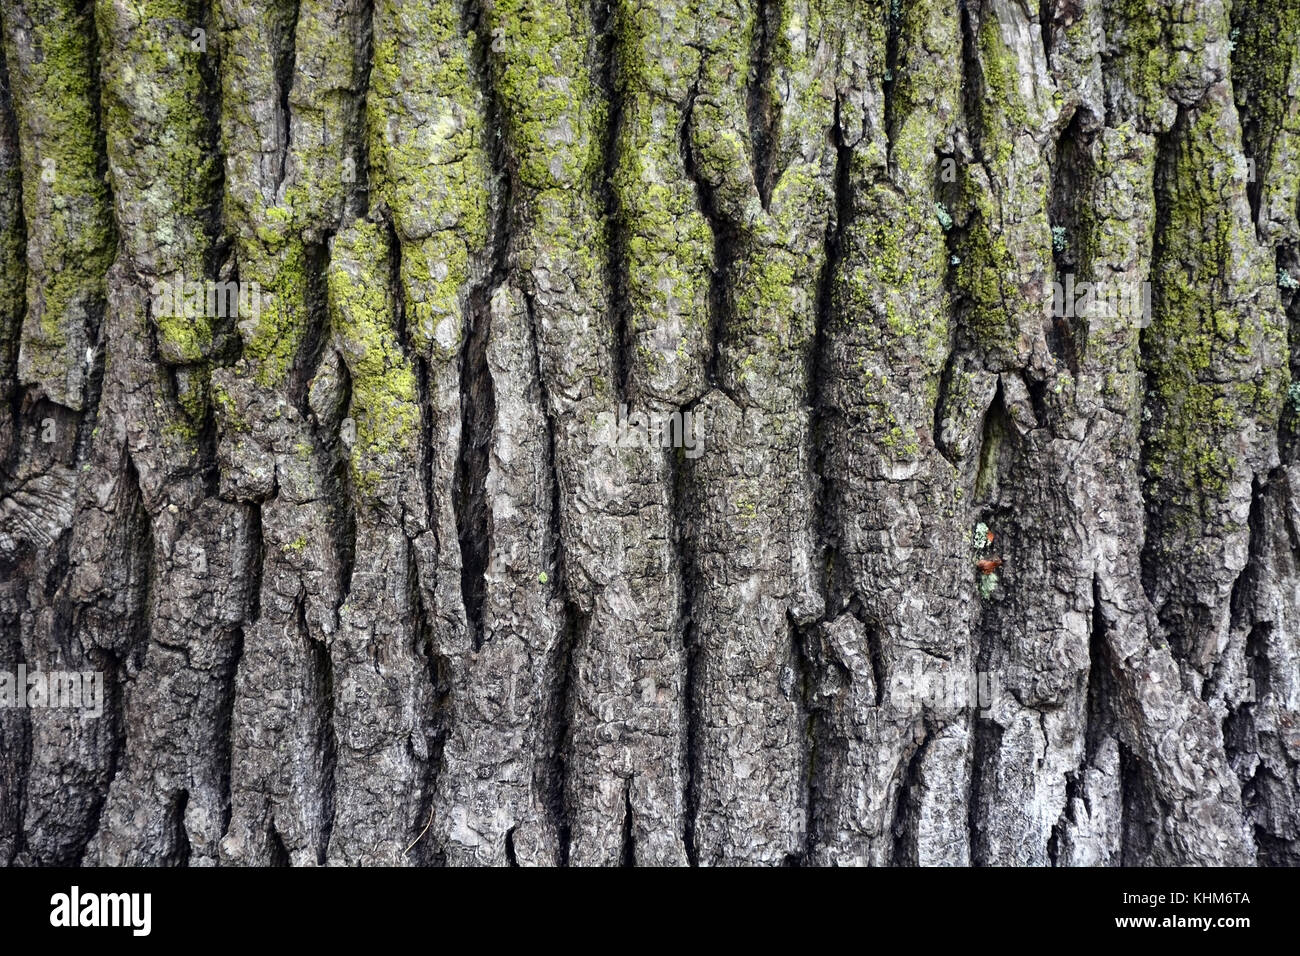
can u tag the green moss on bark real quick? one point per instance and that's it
(1215, 317)
(385, 400)
(50, 51)
(428, 151)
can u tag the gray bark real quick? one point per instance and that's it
(374, 573)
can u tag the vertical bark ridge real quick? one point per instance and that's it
(1260, 692)
(156, 375)
(53, 58)
(626, 690)
(893, 500)
(15, 737)
(290, 178)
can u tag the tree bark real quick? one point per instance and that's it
(651, 432)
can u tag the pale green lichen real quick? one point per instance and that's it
(985, 263)
(553, 124)
(428, 150)
(385, 399)
(552, 99)
(163, 166)
(667, 245)
(280, 244)
(1003, 203)
(71, 239)
(1143, 54)
(227, 408)
(1261, 75)
(1206, 334)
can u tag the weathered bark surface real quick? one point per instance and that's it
(372, 579)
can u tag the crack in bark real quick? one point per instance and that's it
(764, 114)
(473, 514)
(285, 61)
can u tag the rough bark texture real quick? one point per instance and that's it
(370, 576)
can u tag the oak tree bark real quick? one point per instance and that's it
(373, 579)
